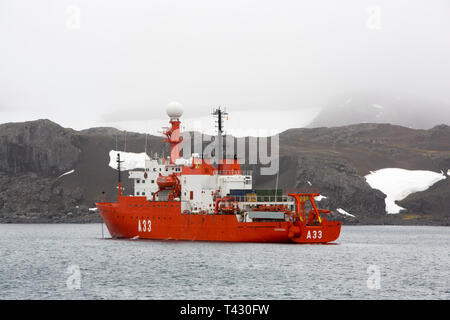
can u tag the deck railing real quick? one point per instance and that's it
(234, 172)
(273, 198)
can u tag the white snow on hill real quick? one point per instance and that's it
(398, 183)
(66, 173)
(318, 198)
(130, 160)
(342, 211)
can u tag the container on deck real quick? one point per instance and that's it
(266, 215)
(240, 192)
(269, 194)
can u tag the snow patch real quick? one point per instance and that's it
(342, 211)
(66, 173)
(130, 160)
(318, 198)
(93, 209)
(309, 183)
(398, 183)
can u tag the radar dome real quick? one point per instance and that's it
(174, 110)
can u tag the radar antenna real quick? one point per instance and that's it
(219, 113)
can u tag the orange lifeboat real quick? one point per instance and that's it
(166, 182)
(226, 205)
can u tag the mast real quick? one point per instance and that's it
(118, 175)
(174, 111)
(219, 113)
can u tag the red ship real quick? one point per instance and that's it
(197, 199)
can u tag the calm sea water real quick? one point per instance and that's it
(72, 261)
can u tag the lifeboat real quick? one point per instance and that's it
(166, 182)
(226, 205)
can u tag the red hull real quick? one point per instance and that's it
(136, 217)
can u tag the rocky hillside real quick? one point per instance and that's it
(37, 183)
(337, 159)
(54, 174)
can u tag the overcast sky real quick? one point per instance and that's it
(272, 63)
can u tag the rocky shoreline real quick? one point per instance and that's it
(77, 215)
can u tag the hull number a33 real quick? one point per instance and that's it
(144, 226)
(314, 234)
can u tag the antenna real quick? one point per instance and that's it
(118, 175)
(276, 186)
(219, 113)
(125, 147)
(118, 166)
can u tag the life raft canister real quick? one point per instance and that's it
(166, 182)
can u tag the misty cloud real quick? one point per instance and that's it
(95, 63)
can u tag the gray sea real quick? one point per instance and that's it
(73, 261)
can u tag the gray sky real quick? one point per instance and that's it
(85, 63)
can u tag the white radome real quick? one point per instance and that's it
(174, 109)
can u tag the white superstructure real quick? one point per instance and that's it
(198, 191)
